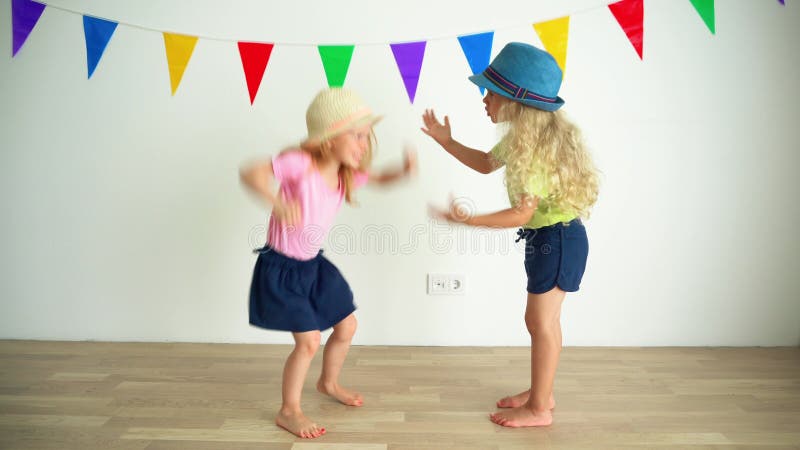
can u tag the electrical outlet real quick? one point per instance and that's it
(446, 284)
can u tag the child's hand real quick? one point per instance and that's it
(433, 128)
(409, 161)
(458, 212)
(287, 212)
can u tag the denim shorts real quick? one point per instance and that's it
(293, 295)
(555, 256)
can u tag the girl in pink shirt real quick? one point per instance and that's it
(294, 287)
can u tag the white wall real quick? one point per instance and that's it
(123, 218)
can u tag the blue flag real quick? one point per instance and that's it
(98, 32)
(478, 49)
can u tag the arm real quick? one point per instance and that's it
(393, 175)
(479, 161)
(513, 217)
(258, 178)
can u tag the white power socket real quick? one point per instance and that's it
(446, 284)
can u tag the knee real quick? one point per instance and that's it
(345, 329)
(541, 328)
(308, 345)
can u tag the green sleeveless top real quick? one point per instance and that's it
(547, 212)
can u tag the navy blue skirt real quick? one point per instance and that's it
(555, 256)
(293, 295)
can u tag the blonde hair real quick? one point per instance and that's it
(543, 143)
(322, 150)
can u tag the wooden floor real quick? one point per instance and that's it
(68, 395)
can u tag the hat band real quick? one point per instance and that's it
(513, 89)
(356, 116)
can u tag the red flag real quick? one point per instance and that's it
(255, 56)
(630, 15)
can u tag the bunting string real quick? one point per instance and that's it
(441, 37)
(335, 59)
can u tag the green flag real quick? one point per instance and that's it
(336, 61)
(706, 10)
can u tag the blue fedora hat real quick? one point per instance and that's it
(524, 74)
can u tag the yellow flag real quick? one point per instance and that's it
(554, 35)
(179, 50)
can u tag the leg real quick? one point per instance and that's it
(542, 318)
(514, 401)
(291, 417)
(332, 360)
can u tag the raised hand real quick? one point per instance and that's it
(435, 129)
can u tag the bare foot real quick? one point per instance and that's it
(298, 424)
(522, 417)
(520, 399)
(341, 394)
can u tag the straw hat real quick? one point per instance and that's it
(334, 111)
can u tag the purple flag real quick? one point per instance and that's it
(409, 60)
(24, 15)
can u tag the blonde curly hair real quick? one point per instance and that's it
(543, 143)
(322, 150)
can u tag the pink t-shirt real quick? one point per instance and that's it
(301, 182)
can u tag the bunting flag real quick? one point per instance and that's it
(24, 16)
(555, 35)
(478, 49)
(97, 33)
(408, 56)
(706, 10)
(630, 16)
(255, 56)
(336, 61)
(179, 49)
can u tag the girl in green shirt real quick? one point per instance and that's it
(552, 183)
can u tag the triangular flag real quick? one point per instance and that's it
(97, 32)
(478, 49)
(555, 35)
(706, 10)
(630, 15)
(179, 50)
(255, 56)
(408, 56)
(336, 61)
(24, 15)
